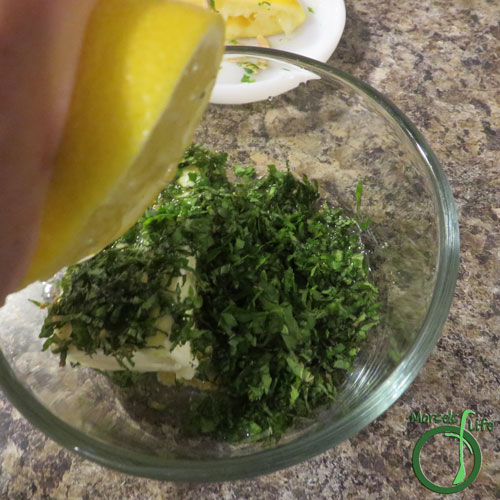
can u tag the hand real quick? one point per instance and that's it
(40, 41)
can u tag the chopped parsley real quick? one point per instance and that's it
(247, 78)
(310, 9)
(282, 304)
(249, 67)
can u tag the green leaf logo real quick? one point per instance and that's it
(464, 437)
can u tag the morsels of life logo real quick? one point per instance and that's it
(463, 478)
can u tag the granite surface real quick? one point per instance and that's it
(439, 62)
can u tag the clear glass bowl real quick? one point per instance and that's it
(338, 131)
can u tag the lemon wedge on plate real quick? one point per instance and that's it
(145, 75)
(251, 18)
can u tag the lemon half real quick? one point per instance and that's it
(145, 75)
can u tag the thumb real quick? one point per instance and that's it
(40, 42)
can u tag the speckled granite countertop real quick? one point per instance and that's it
(439, 61)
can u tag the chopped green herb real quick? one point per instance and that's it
(233, 42)
(247, 79)
(310, 9)
(359, 194)
(261, 4)
(282, 304)
(249, 67)
(364, 223)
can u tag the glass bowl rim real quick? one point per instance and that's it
(308, 445)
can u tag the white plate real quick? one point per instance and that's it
(317, 37)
